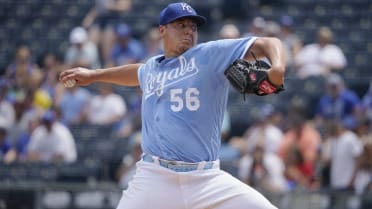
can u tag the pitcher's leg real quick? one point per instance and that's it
(219, 190)
(151, 187)
(249, 199)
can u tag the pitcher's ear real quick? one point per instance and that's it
(162, 29)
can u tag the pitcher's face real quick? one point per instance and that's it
(179, 36)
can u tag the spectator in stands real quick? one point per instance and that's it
(127, 169)
(100, 23)
(72, 104)
(337, 102)
(126, 49)
(290, 40)
(264, 132)
(256, 27)
(343, 150)
(41, 98)
(364, 130)
(82, 52)
(153, 43)
(296, 173)
(25, 112)
(262, 170)
(229, 31)
(6, 155)
(320, 58)
(106, 108)
(272, 29)
(51, 66)
(299, 150)
(24, 77)
(363, 176)
(22, 140)
(51, 141)
(367, 102)
(20, 69)
(7, 112)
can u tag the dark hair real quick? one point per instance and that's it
(3, 130)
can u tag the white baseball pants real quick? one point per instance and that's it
(157, 187)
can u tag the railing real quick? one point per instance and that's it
(39, 195)
(105, 195)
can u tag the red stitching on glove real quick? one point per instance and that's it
(266, 87)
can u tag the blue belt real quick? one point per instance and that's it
(180, 166)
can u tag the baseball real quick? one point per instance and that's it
(69, 83)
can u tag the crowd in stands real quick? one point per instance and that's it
(280, 150)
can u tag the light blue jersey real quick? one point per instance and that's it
(184, 99)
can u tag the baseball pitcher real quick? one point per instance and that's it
(185, 92)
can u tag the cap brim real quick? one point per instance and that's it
(200, 20)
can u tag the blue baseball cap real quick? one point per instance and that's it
(286, 20)
(123, 30)
(48, 116)
(176, 11)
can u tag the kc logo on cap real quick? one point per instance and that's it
(186, 7)
(176, 11)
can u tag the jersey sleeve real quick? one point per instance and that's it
(226, 51)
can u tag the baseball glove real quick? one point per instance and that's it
(251, 78)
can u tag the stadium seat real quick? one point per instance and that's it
(121, 147)
(80, 171)
(87, 131)
(314, 85)
(52, 199)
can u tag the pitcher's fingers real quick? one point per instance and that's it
(62, 75)
(66, 75)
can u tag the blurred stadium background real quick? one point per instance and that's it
(45, 26)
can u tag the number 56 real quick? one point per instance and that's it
(189, 99)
